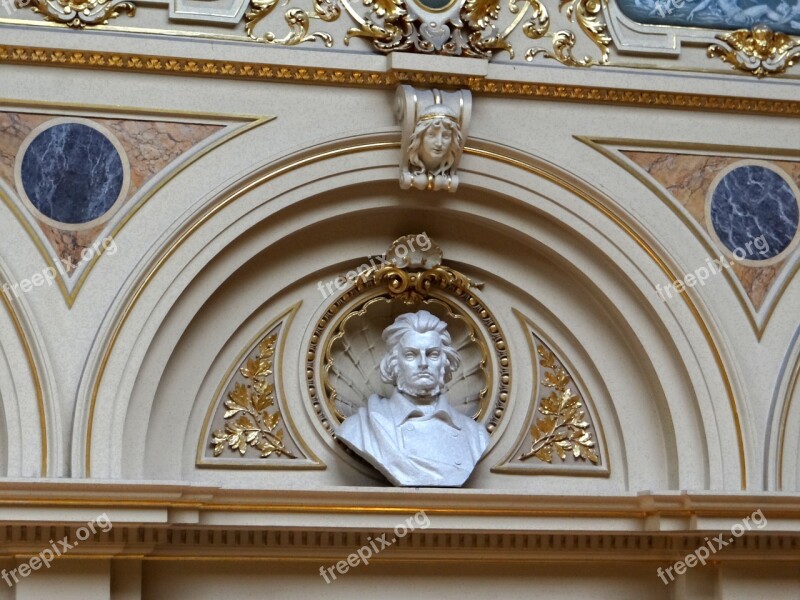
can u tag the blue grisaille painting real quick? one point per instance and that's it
(72, 173)
(779, 15)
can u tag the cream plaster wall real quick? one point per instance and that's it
(688, 395)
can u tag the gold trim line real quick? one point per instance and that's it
(250, 71)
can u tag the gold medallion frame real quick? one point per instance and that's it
(439, 284)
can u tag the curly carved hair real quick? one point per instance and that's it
(415, 161)
(421, 321)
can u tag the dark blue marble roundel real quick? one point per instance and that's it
(72, 173)
(754, 212)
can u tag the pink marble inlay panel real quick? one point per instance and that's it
(688, 177)
(150, 147)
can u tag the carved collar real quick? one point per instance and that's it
(404, 409)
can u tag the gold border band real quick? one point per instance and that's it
(203, 67)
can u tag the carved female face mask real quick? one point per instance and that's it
(435, 145)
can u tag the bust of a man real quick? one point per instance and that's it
(415, 438)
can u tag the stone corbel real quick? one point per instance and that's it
(434, 127)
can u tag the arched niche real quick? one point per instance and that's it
(543, 243)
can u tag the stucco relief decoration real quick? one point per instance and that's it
(408, 343)
(434, 127)
(560, 432)
(561, 428)
(759, 51)
(79, 13)
(247, 423)
(474, 28)
(249, 420)
(479, 28)
(298, 22)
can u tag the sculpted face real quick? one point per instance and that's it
(436, 143)
(421, 364)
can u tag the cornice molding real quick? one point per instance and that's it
(21, 495)
(389, 79)
(160, 521)
(159, 542)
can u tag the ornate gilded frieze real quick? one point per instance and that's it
(560, 431)
(248, 423)
(346, 342)
(575, 33)
(758, 51)
(298, 22)
(473, 28)
(79, 13)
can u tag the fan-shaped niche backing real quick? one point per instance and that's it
(354, 354)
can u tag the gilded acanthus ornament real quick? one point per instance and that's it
(586, 13)
(434, 129)
(249, 421)
(79, 13)
(472, 28)
(463, 27)
(298, 20)
(562, 428)
(758, 51)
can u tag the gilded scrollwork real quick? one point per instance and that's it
(466, 28)
(471, 28)
(462, 28)
(79, 13)
(298, 20)
(758, 51)
(412, 287)
(587, 14)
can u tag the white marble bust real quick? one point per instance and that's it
(415, 438)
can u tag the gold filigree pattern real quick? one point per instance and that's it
(299, 22)
(562, 428)
(587, 15)
(249, 403)
(412, 287)
(758, 51)
(473, 31)
(392, 26)
(78, 14)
